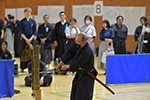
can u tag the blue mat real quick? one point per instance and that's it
(6, 79)
(134, 68)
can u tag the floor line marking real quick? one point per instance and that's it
(122, 90)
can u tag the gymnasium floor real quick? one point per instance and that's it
(61, 87)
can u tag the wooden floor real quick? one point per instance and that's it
(61, 87)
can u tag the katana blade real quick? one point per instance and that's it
(101, 83)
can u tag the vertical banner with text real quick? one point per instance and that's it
(98, 8)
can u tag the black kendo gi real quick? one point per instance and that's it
(60, 36)
(83, 62)
(137, 34)
(28, 28)
(147, 45)
(120, 37)
(17, 41)
(5, 54)
(1, 28)
(45, 49)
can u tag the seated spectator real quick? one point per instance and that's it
(45, 79)
(4, 53)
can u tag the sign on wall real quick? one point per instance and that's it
(52, 11)
(80, 11)
(20, 13)
(11, 11)
(131, 16)
(98, 8)
(17, 12)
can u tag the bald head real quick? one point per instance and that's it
(81, 39)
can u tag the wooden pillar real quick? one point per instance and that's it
(35, 74)
(2, 9)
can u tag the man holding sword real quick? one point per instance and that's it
(83, 62)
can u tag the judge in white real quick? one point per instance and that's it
(89, 30)
(71, 33)
(72, 30)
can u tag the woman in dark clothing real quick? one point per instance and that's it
(106, 36)
(8, 33)
(146, 47)
(17, 37)
(138, 30)
(4, 53)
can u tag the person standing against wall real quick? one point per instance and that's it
(27, 30)
(121, 32)
(17, 36)
(138, 31)
(59, 34)
(44, 32)
(106, 36)
(144, 40)
(89, 30)
(71, 32)
(2, 33)
(8, 33)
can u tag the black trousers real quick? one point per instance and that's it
(47, 80)
(1, 40)
(82, 86)
(136, 49)
(23, 45)
(59, 50)
(17, 45)
(119, 47)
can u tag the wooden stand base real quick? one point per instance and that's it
(36, 94)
